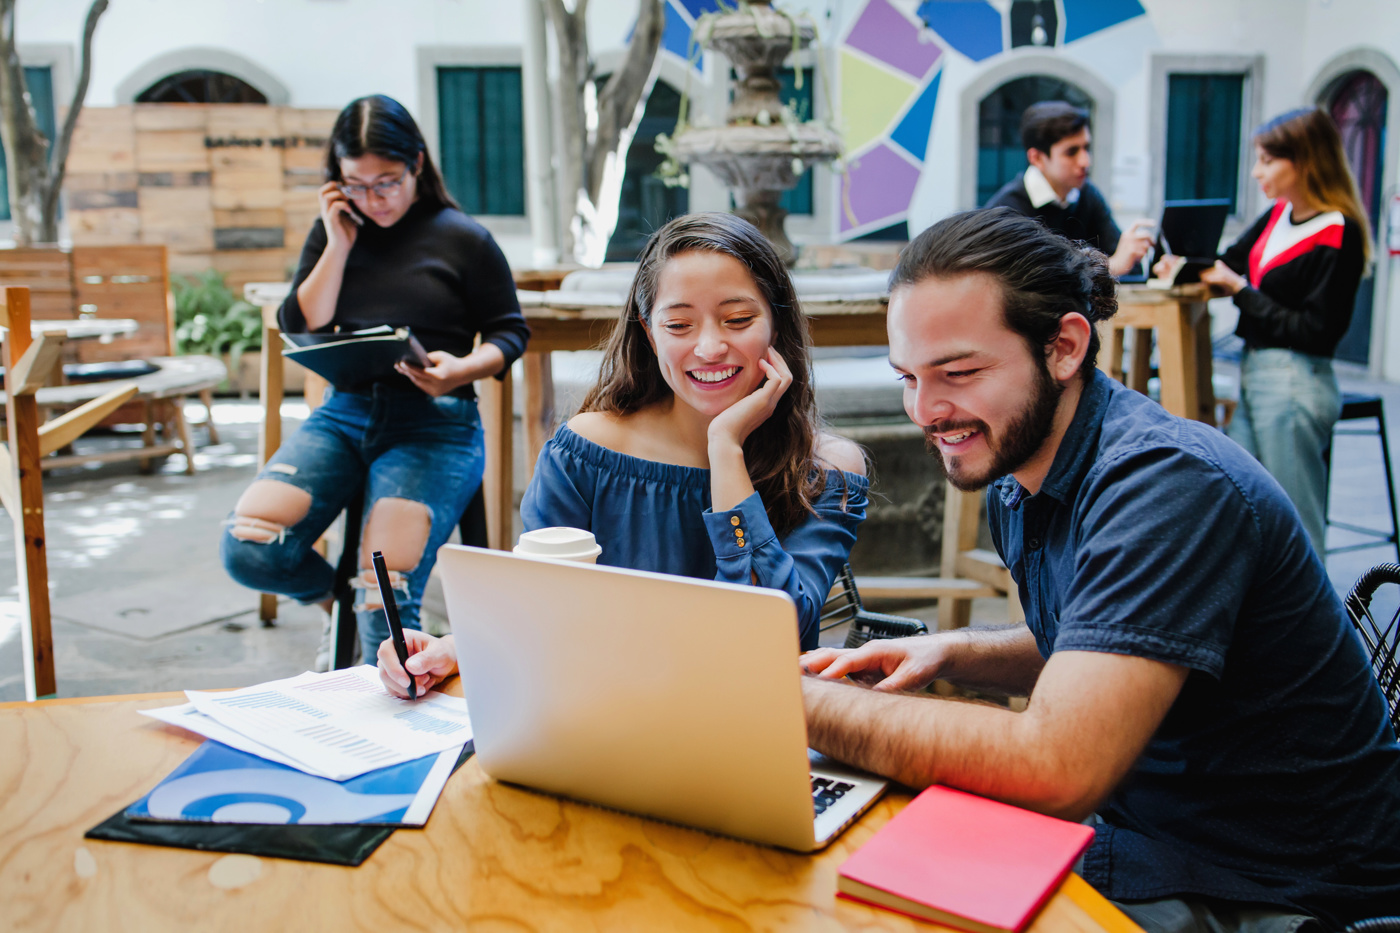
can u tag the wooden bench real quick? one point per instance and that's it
(162, 395)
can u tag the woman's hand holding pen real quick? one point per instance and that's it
(430, 661)
(341, 223)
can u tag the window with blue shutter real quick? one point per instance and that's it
(481, 138)
(1203, 136)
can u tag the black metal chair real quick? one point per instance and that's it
(344, 634)
(1382, 641)
(1357, 408)
(844, 605)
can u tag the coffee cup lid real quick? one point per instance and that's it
(556, 542)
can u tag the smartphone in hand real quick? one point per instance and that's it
(416, 355)
(352, 215)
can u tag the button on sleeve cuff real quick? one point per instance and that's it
(736, 532)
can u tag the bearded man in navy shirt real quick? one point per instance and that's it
(1195, 685)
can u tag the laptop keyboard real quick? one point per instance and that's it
(826, 791)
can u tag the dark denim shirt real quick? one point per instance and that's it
(1275, 776)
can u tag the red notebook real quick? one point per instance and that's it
(964, 861)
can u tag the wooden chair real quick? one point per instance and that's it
(28, 361)
(1382, 641)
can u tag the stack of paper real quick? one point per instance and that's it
(296, 748)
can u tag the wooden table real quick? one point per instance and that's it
(1180, 320)
(493, 857)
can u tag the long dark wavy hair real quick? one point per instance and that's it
(781, 452)
(380, 125)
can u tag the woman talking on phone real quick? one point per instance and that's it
(1294, 275)
(391, 247)
(698, 452)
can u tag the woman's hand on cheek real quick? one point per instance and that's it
(738, 421)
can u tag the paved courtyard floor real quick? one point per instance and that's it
(140, 602)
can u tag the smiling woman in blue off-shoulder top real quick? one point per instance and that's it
(698, 452)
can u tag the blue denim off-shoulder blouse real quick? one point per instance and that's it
(657, 516)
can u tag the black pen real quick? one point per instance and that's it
(391, 612)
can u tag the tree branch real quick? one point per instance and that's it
(620, 96)
(58, 155)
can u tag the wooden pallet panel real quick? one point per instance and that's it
(100, 181)
(147, 117)
(101, 151)
(106, 227)
(235, 190)
(243, 120)
(308, 122)
(104, 141)
(172, 151)
(180, 218)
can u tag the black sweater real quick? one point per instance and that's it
(436, 271)
(1301, 294)
(1087, 219)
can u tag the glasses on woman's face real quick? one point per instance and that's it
(384, 189)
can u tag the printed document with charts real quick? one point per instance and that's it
(336, 725)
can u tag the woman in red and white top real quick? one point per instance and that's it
(1294, 275)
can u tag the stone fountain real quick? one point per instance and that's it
(760, 152)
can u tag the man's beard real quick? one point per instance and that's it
(1024, 436)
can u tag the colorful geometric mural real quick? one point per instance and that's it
(891, 69)
(1086, 17)
(973, 27)
(680, 21)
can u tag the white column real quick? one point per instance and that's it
(539, 138)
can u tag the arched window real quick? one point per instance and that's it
(201, 87)
(646, 202)
(1358, 102)
(1000, 154)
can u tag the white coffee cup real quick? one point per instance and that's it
(560, 543)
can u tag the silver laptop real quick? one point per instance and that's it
(663, 696)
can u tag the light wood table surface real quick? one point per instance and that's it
(1180, 319)
(493, 857)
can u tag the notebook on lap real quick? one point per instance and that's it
(662, 696)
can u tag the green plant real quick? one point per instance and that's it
(209, 318)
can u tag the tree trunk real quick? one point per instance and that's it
(596, 127)
(35, 166)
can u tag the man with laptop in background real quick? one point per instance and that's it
(1055, 187)
(1194, 682)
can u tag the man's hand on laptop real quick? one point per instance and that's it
(888, 665)
(431, 661)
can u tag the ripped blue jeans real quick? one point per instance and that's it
(384, 443)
